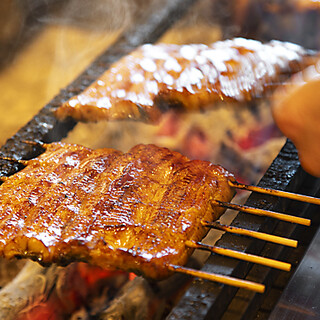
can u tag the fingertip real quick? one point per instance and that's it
(310, 164)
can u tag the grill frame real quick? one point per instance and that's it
(203, 299)
(208, 300)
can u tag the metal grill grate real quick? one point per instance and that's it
(207, 300)
(202, 299)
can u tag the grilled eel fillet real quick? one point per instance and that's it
(131, 211)
(142, 85)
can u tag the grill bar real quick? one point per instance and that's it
(299, 296)
(205, 300)
(277, 281)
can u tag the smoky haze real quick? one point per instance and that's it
(98, 14)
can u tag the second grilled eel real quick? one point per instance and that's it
(132, 211)
(145, 83)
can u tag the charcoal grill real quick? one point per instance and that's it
(202, 299)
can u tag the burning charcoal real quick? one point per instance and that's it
(81, 314)
(196, 144)
(9, 269)
(55, 292)
(169, 125)
(32, 283)
(142, 300)
(132, 303)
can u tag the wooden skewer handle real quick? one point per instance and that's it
(35, 143)
(24, 162)
(253, 234)
(241, 255)
(273, 192)
(267, 213)
(253, 286)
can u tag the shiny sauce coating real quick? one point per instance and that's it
(131, 211)
(154, 78)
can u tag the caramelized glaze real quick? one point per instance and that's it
(131, 211)
(153, 78)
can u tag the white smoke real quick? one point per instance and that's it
(97, 14)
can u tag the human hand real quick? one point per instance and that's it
(296, 111)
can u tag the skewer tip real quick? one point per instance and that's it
(273, 192)
(252, 233)
(240, 255)
(262, 212)
(253, 286)
(36, 143)
(21, 161)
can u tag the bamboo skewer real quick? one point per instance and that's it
(241, 255)
(253, 286)
(253, 234)
(262, 212)
(24, 162)
(36, 143)
(273, 192)
(232, 183)
(21, 161)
